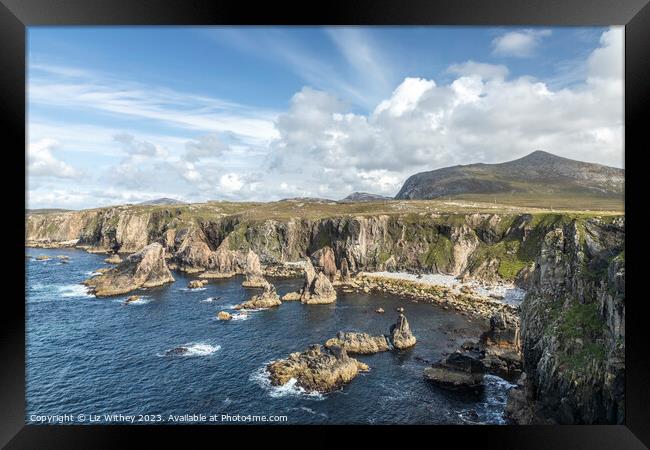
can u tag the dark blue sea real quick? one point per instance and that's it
(96, 359)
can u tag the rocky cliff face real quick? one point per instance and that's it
(478, 245)
(573, 327)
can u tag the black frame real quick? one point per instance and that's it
(16, 15)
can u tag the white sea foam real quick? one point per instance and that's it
(241, 316)
(192, 289)
(92, 274)
(73, 290)
(143, 300)
(289, 389)
(210, 299)
(195, 349)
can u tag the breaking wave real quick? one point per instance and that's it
(290, 389)
(192, 349)
(73, 290)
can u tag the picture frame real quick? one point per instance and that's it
(17, 15)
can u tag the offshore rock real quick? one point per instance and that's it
(360, 343)
(458, 370)
(316, 370)
(400, 334)
(268, 299)
(144, 269)
(317, 288)
(254, 273)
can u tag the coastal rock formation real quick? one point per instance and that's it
(291, 297)
(267, 299)
(113, 259)
(345, 271)
(573, 327)
(501, 346)
(224, 315)
(196, 284)
(254, 274)
(317, 288)
(316, 370)
(400, 334)
(360, 343)
(144, 269)
(131, 299)
(325, 260)
(458, 370)
(400, 236)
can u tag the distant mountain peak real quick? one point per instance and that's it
(163, 201)
(365, 197)
(538, 173)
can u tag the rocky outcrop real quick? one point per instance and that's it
(291, 297)
(317, 288)
(254, 273)
(316, 369)
(325, 260)
(400, 334)
(113, 259)
(197, 284)
(210, 240)
(572, 327)
(345, 270)
(458, 370)
(501, 347)
(360, 343)
(224, 315)
(131, 299)
(144, 269)
(267, 299)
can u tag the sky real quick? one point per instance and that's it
(127, 114)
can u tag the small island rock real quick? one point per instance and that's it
(316, 370)
(360, 343)
(401, 335)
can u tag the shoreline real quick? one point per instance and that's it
(471, 298)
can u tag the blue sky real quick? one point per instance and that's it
(125, 114)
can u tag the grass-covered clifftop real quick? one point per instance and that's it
(480, 239)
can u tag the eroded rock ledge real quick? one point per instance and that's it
(317, 369)
(267, 299)
(144, 269)
(359, 343)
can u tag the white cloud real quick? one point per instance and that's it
(67, 88)
(405, 97)
(321, 147)
(142, 148)
(208, 146)
(606, 62)
(42, 161)
(520, 44)
(475, 118)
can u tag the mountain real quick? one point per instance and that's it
(163, 201)
(539, 174)
(364, 197)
